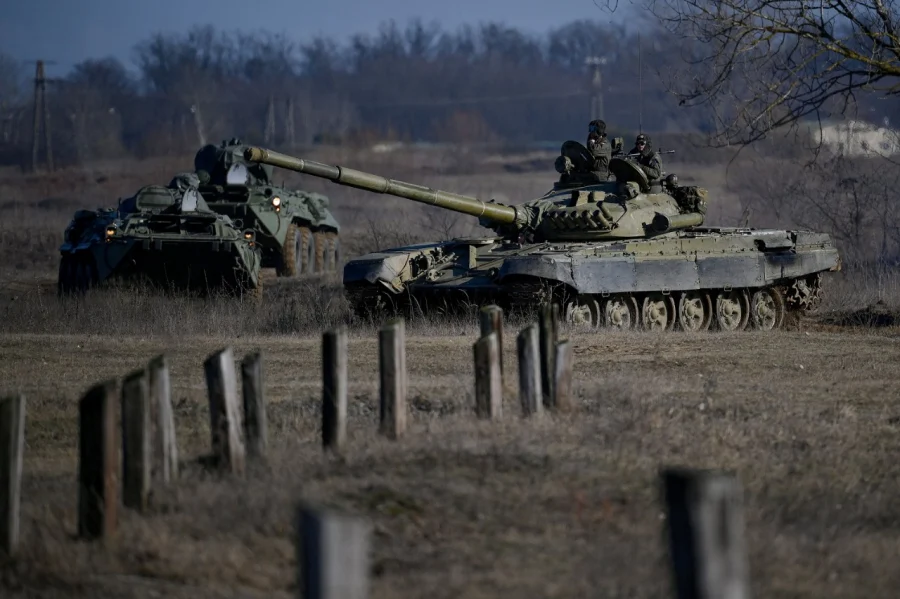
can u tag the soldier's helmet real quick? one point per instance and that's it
(672, 181)
(184, 181)
(641, 139)
(597, 126)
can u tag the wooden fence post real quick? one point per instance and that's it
(334, 388)
(12, 450)
(549, 331)
(136, 448)
(706, 534)
(528, 345)
(392, 362)
(491, 318)
(488, 384)
(224, 414)
(98, 480)
(333, 555)
(165, 444)
(563, 367)
(256, 424)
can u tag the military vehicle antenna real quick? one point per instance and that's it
(640, 88)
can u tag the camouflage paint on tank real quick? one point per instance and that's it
(618, 252)
(164, 235)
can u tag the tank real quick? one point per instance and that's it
(163, 235)
(294, 229)
(611, 250)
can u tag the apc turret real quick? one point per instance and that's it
(615, 250)
(294, 229)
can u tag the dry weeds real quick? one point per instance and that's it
(559, 506)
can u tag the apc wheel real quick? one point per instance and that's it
(694, 311)
(65, 277)
(620, 312)
(291, 253)
(83, 272)
(334, 252)
(658, 312)
(583, 312)
(320, 240)
(767, 309)
(255, 294)
(732, 310)
(308, 250)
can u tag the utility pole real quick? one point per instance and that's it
(596, 85)
(41, 115)
(289, 123)
(269, 132)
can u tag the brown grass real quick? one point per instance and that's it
(560, 506)
(563, 505)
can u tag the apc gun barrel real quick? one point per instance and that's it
(369, 182)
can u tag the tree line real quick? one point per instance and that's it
(485, 83)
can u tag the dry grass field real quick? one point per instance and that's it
(563, 505)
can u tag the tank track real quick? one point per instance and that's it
(724, 309)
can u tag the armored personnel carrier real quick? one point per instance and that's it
(165, 235)
(620, 253)
(294, 229)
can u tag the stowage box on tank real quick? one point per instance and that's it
(294, 229)
(165, 235)
(623, 253)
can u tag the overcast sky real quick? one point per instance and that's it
(68, 31)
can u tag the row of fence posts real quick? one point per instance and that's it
(704, 508)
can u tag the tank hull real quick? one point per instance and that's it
(712, 269)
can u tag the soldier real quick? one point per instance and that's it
(648, 159)
(599, 147)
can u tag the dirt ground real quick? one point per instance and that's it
(562, 505)
(558, 506)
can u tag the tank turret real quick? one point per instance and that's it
(575, 209)
(610, 248)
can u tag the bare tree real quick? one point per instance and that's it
(12, 98)
(760, 65)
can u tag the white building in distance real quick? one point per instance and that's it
(858, 138)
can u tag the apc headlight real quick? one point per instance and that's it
(276, 201)
(110, 232)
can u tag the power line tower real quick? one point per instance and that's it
(41, 119)
(596, 85)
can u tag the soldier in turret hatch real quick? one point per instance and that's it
(599, 147)
(648, 158)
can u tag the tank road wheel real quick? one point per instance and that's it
(620, 312)
(291, 253)
(583, 312)
(732, 310)
(767, 309)
(658, 312)
(694, 311)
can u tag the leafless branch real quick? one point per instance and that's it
(775, 63)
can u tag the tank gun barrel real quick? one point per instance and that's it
(497, 213)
